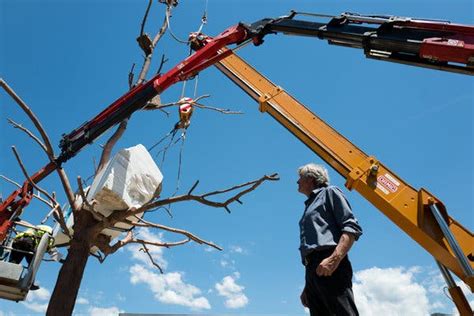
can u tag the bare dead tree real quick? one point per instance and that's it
(89, 225)
(86, 226)
(45, 145)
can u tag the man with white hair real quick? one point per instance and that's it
(328, 229)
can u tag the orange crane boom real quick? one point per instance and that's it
(417, 212)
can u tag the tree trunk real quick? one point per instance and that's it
(69, 279)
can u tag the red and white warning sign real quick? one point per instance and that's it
(387, 183)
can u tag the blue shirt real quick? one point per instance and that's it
(326, 216)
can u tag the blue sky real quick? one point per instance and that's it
(69, 59)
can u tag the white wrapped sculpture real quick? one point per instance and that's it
(130, 179)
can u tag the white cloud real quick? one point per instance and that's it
(41, 294)
(227, 262)
(210, 249)
(391, 291)
(169, 288)
(36, 307)
(104, 311)
(434, 283)
(237, 249)
(233, 293)
(37, 301)
(156, 252)
(82, 300)
(424, 283)
(437, 289)
(120, 297)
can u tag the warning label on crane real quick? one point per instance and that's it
(386, 183)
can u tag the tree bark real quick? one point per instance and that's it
(70, 276)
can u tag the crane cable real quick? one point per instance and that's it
(175, 129)
(167, 16)
(176, 38)
(203, 19)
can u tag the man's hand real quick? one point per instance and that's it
(304, 299)
(328, 266)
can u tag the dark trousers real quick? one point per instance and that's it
(329, 295)
(25, 243)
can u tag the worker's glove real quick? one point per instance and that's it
(55, 255)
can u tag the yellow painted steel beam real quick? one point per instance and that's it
(405, 206)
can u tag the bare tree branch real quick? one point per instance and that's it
(47, 216)
(161, 244)
(223, 111)
(67, 187)
(25, 224)
(29, 133)
(102, 243)
(145, 249)
(104, 158)
(253, 183)
(34, 195)
(122, 215)
(162, 63)
(173, 230)
(108, 250)
(164, 26)
(202, 198)
(154, 106)
(148, 48)
(32, 116)
(25, 173)
(145, 17)
(193, 187)
(59, 217)
(54, 205)
(61, 173)
(167, 209)
(43, 200)
(130, 77)
(204, 96)
(149, 53)
(100, 258)
(83, 194)
(161, 106)
(88, 206)
(44, 136)
(10, 180)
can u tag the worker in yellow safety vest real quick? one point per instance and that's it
(27, 242)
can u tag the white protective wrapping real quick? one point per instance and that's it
(130, 179)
